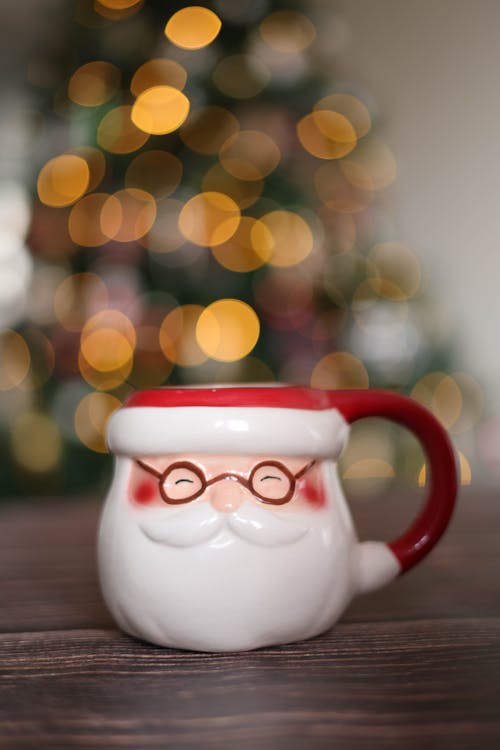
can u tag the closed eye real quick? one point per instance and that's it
(270, 476)
(179, 481)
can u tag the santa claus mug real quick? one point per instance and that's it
(225, 527)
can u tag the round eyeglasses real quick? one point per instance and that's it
(270, 481)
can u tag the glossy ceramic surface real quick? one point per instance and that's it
(226, 528)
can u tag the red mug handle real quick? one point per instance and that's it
(427, 528)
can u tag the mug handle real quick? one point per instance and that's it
(425, 531)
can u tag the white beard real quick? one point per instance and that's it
(202, 580)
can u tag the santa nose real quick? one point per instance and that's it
(227, 495)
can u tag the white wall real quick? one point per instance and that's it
(433, 69)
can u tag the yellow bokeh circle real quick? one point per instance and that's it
(158, 72)
(249, 155)
(93, 83)
(209, 219)
(15, 359)
(108, 341)
(91, 418)
(351, 108)
(371, 167)
(207, 128)
(96, 162)
(287, 31)
(36, 442)
(178, 336)
(156, 172)
(326, 134)
(84, 223)
(63, 180)
(292, 238)
(243, 192)
(193, 27)
(339, 370)
(119, 4)
(104, 380)
(395, 270)
(228, 330)
(117, 133)
(128, 215)
(249, 248)
(160, 110)
(440, 393)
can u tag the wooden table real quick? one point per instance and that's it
(414, 665)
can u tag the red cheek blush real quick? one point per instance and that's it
(145, 491)
(313, 493)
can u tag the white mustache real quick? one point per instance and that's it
(199, 524)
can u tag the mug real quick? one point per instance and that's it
(226, 528)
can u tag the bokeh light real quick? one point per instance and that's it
(369, 468)
(249, 248)
(227, 330)
(109, 379)
(160, 110)
(292, 239)
(440, 393)
(156, 172)
(106, 349)
(128, 215)
(94, 83)
(464, 470)
(119, 4)
(456, 399)
(42, 356)
(178, 340)
(339, 370)
(193, 27)
(91, 418)
(112, 10)
(117, 133)
(96, 163)
(63, 180)
(351, 108)
(15, 358)
(241, 76)
(472, 403)
(36, 442)
(207, 128)
(326, 134)
(249, 155)
(395, 270)
(287, 31)
(209, 219)
(243, 192)
(371, 167)
(158, 72)
(84, 223)
(108, 341)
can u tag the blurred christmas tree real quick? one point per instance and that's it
(209, 208)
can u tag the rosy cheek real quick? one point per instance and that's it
(313, 493)
(145, 491)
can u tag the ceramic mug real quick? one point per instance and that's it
(226, 528)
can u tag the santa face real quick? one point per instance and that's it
(226, 552)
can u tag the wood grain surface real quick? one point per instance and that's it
(414, 665)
